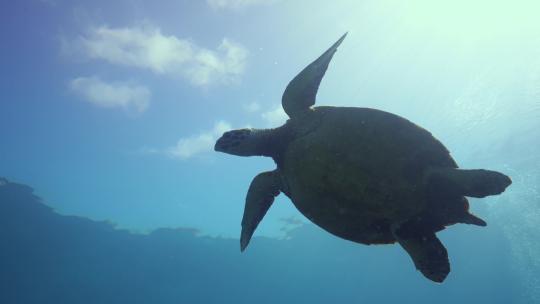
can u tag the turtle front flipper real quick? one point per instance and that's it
(473, 183)
(427, 252)
(301, 91)
(262, 191)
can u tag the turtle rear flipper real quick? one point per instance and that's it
(472, 183)
(427, 252)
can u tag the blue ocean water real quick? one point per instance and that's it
(50, 258)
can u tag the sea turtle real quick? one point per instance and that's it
(362, 174)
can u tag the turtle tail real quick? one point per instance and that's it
(464, 216)
(449, 211)
(471, 219)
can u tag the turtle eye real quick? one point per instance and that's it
(240, 136)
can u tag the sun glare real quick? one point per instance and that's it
(472, 21)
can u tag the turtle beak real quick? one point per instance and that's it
(231, 142)
(223, 144)
(220, 145)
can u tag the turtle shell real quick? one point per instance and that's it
(355, 171)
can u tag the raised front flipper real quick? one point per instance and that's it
(473, 183)
(301, 91)
(262, 191)
(427, 252)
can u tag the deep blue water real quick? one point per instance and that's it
(50, 258)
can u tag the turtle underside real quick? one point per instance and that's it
(364, 175)
(360, 170)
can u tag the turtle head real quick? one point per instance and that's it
(242, 142)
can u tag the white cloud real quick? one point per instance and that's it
(147, 48)
(193, 145)
(236, 4)
(276, 117)
(252, 107)
(112, 95)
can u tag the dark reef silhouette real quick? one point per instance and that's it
(46, 257)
